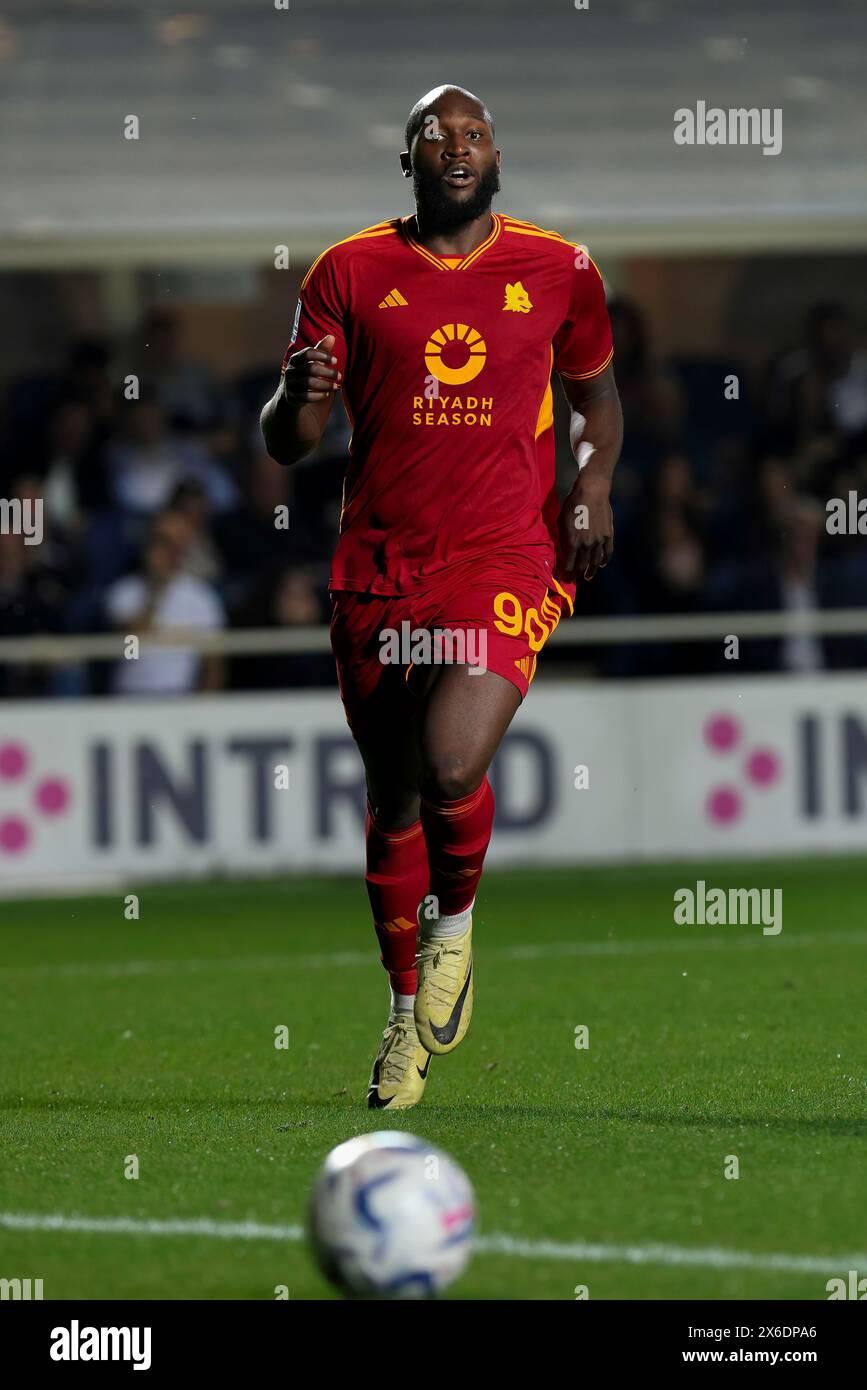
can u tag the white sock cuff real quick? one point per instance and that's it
(402, 1003)
(454, 924)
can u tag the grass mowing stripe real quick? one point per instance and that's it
(510, 1246)
(323, 961)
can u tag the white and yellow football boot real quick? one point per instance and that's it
(444, 1000)
(401, 1067)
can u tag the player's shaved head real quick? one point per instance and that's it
(424, 107)
(451, 158)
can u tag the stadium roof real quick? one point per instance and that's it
(259, 125)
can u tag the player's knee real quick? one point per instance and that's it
(450, 777)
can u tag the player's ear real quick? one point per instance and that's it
(406, 164)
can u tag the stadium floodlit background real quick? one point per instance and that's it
(167, 175)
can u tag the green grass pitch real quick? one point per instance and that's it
(156, 1038)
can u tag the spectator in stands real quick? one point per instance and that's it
(774, 492)
(747, 520)
(192, 505)
(88, 378)
(798, 579)
(667, 560)
(160, 597)
(665, 565)
(52, 562)
(28, 606)
(679, 570)
(187, 391)
(255, 536)
(652, 400)
(72, 464)
(285, 598)
(821, 388)
(786, 578)
(271, 527)
(34, 399)
(146, 461)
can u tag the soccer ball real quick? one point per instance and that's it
(391, 1217)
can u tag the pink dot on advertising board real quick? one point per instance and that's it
(763, 767)
(723, 805)
(52, 796)
(13, 760)
(721, 733)
(14, 835)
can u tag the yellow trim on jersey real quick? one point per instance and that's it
(533, 226)
(515, 224)
(584, 376)
(537, 231)
(466, 261)
(423, 251)
(545, 418)
(492, 236)
(377, 230)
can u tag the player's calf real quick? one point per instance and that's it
(457, 834)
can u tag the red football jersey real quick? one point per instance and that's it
(447, 367)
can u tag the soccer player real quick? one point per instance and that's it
(442, 330)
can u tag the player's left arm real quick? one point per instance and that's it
(586, 529)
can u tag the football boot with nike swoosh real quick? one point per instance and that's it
(444, 1000)
(400, 1070)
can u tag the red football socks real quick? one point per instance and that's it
(397, 879)
(457, 834)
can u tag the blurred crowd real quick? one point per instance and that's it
(159, 508)
(722, 488)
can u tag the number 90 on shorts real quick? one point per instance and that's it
(513, 620)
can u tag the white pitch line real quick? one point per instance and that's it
(512, 1247)
(711, 1257)
(330, 960)
(127, 1226)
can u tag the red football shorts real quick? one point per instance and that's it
(495, 617)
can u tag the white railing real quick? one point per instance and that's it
(57, 650)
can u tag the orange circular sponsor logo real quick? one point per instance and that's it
(444, 338)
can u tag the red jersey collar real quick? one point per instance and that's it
(465, 261)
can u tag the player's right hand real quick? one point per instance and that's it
(311, 374)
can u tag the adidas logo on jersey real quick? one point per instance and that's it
(393, 300)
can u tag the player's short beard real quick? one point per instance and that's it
(438, 213)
